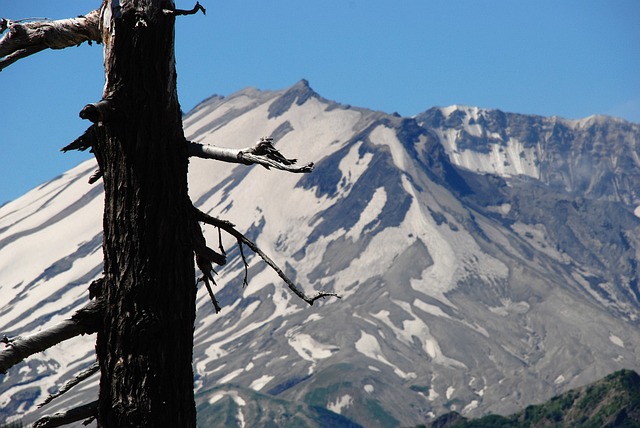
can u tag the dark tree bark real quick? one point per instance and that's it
(145, 346)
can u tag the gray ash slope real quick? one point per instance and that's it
(486, 261)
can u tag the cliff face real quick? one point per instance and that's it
(595, 157)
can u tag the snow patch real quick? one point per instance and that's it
(469, 407)
(415, 329)
(433, 395)
(369, 214)
(313, 317)
(237, 399)
(259, 383)
(352, 167)
(368, 345)
(430, 309)
(308, 348)
(449, 393)
(230, 376)
(341, 403)
(616, 340)
(216, 397)
(387, 137)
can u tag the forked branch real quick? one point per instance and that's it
(243, 240)
(26, 38)
(262, 153)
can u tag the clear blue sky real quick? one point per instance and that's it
(548, 57)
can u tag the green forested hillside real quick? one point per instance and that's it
(613, 402)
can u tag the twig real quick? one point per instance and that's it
(262, 153)
(89, 410)
(220, 246)
(216, 305)
(230, 229)
(94, 368)
(244, 261)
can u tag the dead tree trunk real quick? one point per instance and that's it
(145, 345)
(145, 309)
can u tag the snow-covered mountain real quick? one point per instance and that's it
(486, 261)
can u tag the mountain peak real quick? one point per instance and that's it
(298, 94)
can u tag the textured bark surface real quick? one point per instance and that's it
(145, 346)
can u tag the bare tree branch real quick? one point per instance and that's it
(89, 410)
(262, 153)
(85, 321)
(24, 39)
(230, 229)
(179, 12)
(94, 368)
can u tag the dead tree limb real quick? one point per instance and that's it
(262, 153)
(26, 38)
(181, 12)
(231, 230)
(86, 411)
(85, 321)
(91, 370)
